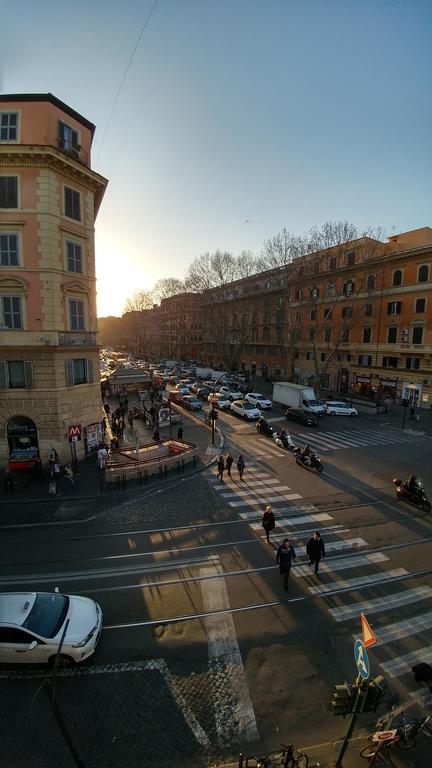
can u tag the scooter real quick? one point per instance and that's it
(311, 462)
(417, 497)
(263, 428)
(284, 441)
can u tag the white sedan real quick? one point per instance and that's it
(339, 408)
(32, 625)
(259, 400)
(221, 401)
(232, 394)
(245, 409)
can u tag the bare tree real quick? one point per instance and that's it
(167, 287)
(139, 301)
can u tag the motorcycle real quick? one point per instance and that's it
(417, 497)
(263, 428)
(283, 440)
(310, 462)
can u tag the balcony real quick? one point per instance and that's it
(78, 339)
(73, 150)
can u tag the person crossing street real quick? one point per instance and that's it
(284, 557)
(315, 550)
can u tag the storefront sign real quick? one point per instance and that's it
(388, 383)
(363, 379)
(93, 433)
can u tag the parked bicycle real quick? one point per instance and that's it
(290, 758)
(404, 736)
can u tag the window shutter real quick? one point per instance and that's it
(3, 374)
(89, 376)
(69, 373)
(28, 374)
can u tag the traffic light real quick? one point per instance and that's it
(375, 693)
(342, 699)
(214, 415)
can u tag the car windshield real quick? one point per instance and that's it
(248, 406)
(48, 614)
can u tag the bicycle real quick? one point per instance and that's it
(290, 758)
(404, 736)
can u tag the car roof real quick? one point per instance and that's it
(337, 402)
(258, 394)
(14, 608)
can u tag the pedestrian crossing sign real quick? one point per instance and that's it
(369, 637)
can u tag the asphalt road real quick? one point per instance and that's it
(200, 634)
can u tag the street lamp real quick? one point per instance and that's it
(213, 399)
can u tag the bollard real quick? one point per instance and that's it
(178, 467)
(160, 473)
(182, 465)
(101, 486)
(118, 483)
(145, 477)
(124, 483)
(140, 479)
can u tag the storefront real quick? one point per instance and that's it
(363, 386)
(388, 389)
(412, 393)
(23, 442)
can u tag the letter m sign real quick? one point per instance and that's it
(74, 431)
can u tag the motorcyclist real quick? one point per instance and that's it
(262, 425)
(307, 454)
(286, 438)
(411, 485)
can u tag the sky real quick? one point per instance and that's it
(236, 118)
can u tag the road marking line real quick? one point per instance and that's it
(388, 633)
(286, 497)
(289, 522)
(358, 582)
(378, 604)
(234, 713)
(403, 664)
(342, 564)
(243, 491)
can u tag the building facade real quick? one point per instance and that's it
(49, 352)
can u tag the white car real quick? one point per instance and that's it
(245, 409)
(259, 400)
(232, 394)
(222, 401)
(339, 408)
(182, 389)
(32, 625)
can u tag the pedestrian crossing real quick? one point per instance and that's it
(348, 568)
(323, 442)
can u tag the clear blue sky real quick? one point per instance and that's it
(284, 112)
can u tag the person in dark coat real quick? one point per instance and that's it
(180, 433)
(240, 466)
(284, 557)
(228, 463)
(221, 467)
(315, 550)
(268, 521)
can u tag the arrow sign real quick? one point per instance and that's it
(369, 637)
(361, 659)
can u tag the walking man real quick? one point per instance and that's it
(240, 466)
(221, 467)
(284, 557)
(228, 463)
(268, 521)
(180, 433)
(69, 475)
(102, 456)
(315, 550)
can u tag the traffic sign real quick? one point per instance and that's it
(213, 399)
(361, 659)
(369, 637)
(74, 431)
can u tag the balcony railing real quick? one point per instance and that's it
(73, 150)
(78, 339)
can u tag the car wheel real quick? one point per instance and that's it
(64, 660)
(353, 414)
(332, 413)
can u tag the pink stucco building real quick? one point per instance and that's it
(49, 354)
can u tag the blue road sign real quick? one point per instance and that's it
(361, 659)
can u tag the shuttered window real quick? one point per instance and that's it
(74, 257)
(79, 371)
(16, 374)
(12, 312)
(76, 315)
(72, 203)
(8, 191)
(8, 126)
(9, 254)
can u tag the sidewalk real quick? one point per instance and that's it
(32, 504)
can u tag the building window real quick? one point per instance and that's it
(390, 362)
(351, 259)
(332, 263)
(327, 334)
(68, 137)
(72, 201)
(8, 191)
(323, 357)
(298, 294)
(397, 277)
(331, 289)
(279, 334)
(370, 282)
(365, 360)
(79, 371)
(309, 355)
(349, 288)
(12, 312)
(74, 257)
(76, 315)
(8, 126)
(367, 335)
(368, 309)
(16, 374)
(328, 314)
(345, 336)
(417, 334)
(301, 271)
(346, 311)
(313, 314)
(316, 267)
(412, 363)
(266, 333)
(394, 307)
(423, 274)
(392, 335)
(314, 292)
(420, 305)
(9, 254)
(311, 334)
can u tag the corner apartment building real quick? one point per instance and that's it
(49, 352)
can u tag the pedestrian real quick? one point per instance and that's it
(126, 403)
(284, 557)
(69, 475)
(240, 466)
(107, 408)
(412, 413)
(52, 460)
(102, 456)
(315, 550)
(268, 521)
(228, 463)
(156, 436)
(180, 433)
(221, 467)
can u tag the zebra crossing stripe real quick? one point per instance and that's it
(388, 633)
(333, 546)
(403, 664)
(290, 522)
(358, 582)
(242, 492)
(379, 604)
(342, 564)
(257, 500)
(331, 441)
